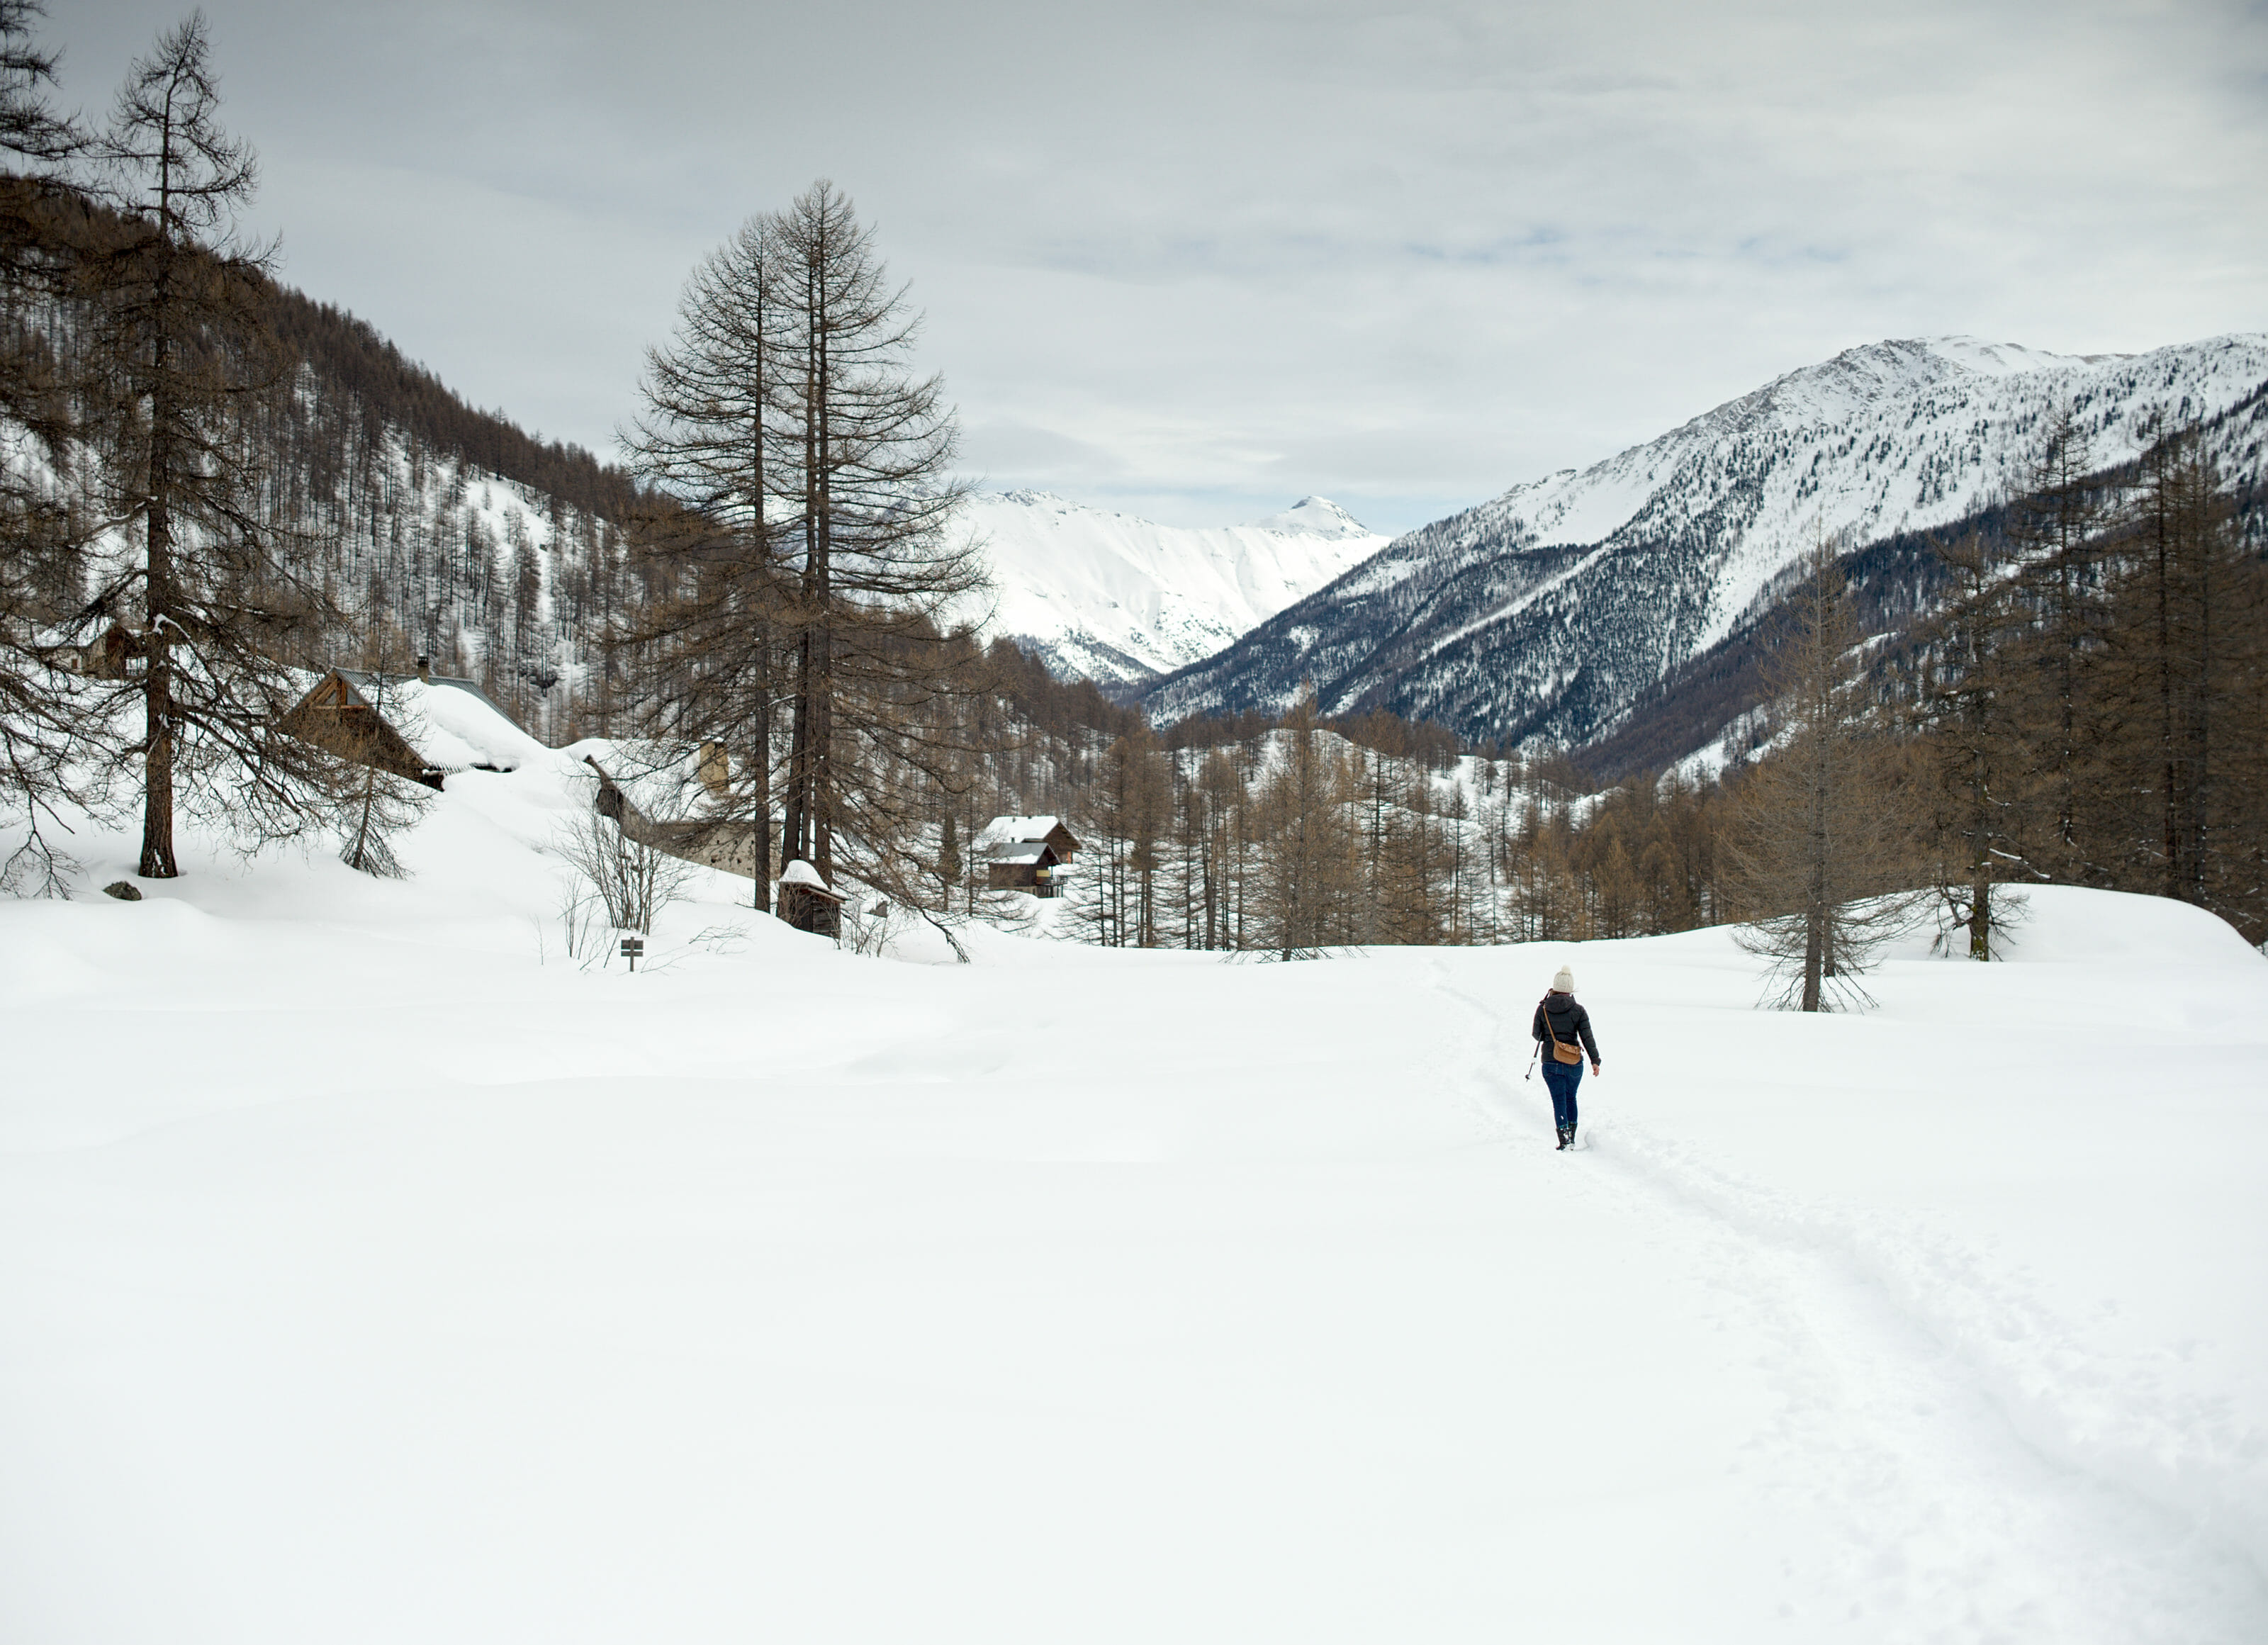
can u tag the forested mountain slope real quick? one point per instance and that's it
(496, 553)
(448, 528)
(1552, 611)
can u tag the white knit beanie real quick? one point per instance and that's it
(1565, 982)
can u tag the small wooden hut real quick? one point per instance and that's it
(806, 904)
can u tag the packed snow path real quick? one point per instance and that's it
(363, 1279)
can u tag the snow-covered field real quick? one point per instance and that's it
(363, 1278)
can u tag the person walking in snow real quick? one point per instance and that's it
(1563, 1034)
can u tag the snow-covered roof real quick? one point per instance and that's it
(452, 721)
(801, 872)
(1015, 831)
(1020, 851)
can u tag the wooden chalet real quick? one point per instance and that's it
(1025, 853)
(338, 718)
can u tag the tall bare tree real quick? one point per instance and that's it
(869, 498)
(1222, 788)
(2055, 535)
(43, 735)
(222, 584)
(707, 647)
(2185, 663)
(805, 557)
(1972, 740)
(1128, 809)
(1309, 852)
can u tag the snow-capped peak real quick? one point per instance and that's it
(1544, 611)
(2006, 360)
(1318, 516)
(1116, 597)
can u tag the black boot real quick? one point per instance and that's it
(1563, 1136)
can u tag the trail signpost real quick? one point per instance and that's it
(632, 946)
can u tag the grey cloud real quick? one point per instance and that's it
(1231, 251)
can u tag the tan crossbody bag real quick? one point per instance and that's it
(1562, 1051)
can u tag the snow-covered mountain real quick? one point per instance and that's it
(1543, 612)
(1120, 599)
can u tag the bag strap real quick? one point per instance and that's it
(1544, 1006)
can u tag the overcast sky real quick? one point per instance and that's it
(1195, 261)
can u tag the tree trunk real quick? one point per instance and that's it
(795, 822)
(157, 859)
(820, 754)
(760, 779)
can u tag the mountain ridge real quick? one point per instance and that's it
(1543, 613)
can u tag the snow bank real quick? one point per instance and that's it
(460, 729)
(2102, 929)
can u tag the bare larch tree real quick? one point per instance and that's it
(2183, 666)
(1970, 740)
(705, 650)
(868, 497)
(221, 585)
(2054, 533)
(43, 735)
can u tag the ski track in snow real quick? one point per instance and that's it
(1911, 1381)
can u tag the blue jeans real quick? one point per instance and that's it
(1563, 1078)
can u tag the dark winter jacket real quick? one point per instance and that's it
(1569, 1020)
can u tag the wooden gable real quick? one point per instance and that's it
(339, 719)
